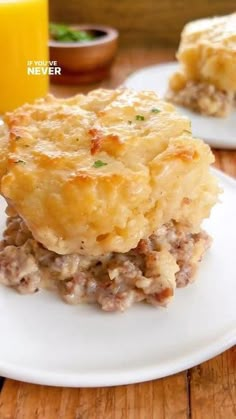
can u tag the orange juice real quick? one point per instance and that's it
(23, 39)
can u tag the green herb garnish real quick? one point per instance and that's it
(187, 131)
(139, 117)
(99, 163)
(20, 161)
(64, 33)
(155, 110)
(129, 122)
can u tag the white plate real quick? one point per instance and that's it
(45, 341)
(217, 132)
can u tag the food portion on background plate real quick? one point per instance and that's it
(202, 84)
(206, 79)
(106, 195)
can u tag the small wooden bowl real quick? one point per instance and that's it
(85, 62)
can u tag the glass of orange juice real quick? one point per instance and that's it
(23, 43)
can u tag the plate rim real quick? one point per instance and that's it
(133, 375)
(115, 378)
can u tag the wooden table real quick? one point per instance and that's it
(207, 391)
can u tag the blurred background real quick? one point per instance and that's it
(140, 22)
(148, 34)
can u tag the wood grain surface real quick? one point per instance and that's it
(207, 391)
(140, 21)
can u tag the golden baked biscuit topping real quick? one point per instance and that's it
(96, 173)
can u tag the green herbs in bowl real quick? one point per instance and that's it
(83, 52)
(65, 33)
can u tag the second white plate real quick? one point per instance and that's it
(217, 132)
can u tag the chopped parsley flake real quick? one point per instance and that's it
(129, 122)
(155, 110)
(20, 161)
(140, 118)
(187, 131)
(99, 163)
